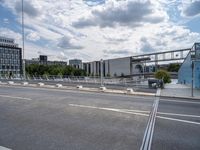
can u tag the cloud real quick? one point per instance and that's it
(121, 52)
(146, 46)
(130, 13)
(94, 2)
(33, 36)
(29, 9)
(192, 9)
(66, 43)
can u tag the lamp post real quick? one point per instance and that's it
(192, 91)
(101, 72)
(23, 59)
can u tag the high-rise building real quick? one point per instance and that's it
(10, 58)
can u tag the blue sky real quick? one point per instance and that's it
(95, 29)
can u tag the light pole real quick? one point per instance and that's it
(101, 72)
(23, 59)
(192, 92)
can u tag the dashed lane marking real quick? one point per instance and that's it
(181, 115)
(15, 97)
(134, 112)
(179, 120)
(4, 148)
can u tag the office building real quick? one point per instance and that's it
(10, 58)
(76, 63)
(185, 71)
(43, 60)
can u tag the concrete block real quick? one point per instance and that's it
(40, 84)
(59, 85)
(129, 90)
(24, 83)
(102, 88)
(10, 82)
(79, 86)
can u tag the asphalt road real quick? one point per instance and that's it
(38, 118)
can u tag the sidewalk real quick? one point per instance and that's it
(180, 91)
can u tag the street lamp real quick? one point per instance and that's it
(101, 72)
(23, 63)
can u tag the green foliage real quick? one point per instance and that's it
(58, 70)
(162, 74)
(173, 67)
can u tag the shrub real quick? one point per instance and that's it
(162, 74)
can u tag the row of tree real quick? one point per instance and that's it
(38, 70)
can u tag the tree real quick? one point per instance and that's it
(162, 74)
(173, 67)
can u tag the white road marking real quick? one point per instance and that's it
(180, 101)
(179, 120)
(134, 112)
(182, 115)
(4, 148)
(15, 97)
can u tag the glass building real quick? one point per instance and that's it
(185, 71)
(10, 58)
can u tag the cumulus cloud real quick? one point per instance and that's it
(29, 9)
(192, 9)
(94, 2)
(146, 46)
(123, 52)
(66, 43)
(130, 13)
(33, 36)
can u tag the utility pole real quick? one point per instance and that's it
(23, 59)
(101, 72)
(192, 91)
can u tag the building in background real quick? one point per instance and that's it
(114, 67)
(10, 58)
(76, 63)
(43, 60)
(185, 71)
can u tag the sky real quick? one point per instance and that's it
(101, 29)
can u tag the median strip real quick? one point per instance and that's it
(148, 135)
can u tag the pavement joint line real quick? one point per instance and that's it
(148, 135)
(179, 120)
(137, 112)
(181, 115)
(16, 97)
(4, 148)
(180, 101)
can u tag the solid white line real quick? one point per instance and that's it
(182, 115)
(15, 97)
(136, 112)
(4, 148)
(179, 120)
(180, 101)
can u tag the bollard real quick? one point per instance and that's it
(10, 82)
(102, 88)
(25, 83)
(41, 84)
(79, 86)
(129, 90)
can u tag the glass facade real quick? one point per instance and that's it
(185, 71)
(10, 61)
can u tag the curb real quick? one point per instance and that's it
(96, 90)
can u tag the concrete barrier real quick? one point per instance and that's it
(129, 90)
(102, 88)
(10, 82)
(24, 83)
(79, 86)
(59, 85)
(40, 84)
